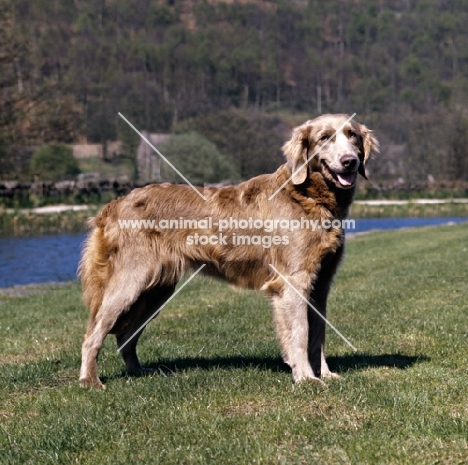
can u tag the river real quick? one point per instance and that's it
(54, 258)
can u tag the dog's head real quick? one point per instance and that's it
(333, 146)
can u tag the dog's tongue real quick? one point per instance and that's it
(346, 179)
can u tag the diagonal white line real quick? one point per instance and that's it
(162, 156)
(313, 308)
(312, 156)
(160, 308)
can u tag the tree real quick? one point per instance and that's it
(54, 163)
(252, 141)
(67, 67)
(11, 87)
(197, 159)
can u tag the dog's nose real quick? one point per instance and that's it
(349, 162)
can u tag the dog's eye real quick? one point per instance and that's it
(353, 135)
(324, 138)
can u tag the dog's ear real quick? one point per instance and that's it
(296, 151)
(369, 144)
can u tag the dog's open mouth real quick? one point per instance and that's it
(345, 180)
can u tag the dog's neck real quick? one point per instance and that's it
(316, 190)
(329, 195)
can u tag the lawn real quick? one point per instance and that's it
(221, 393)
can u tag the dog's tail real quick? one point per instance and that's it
(95, 267)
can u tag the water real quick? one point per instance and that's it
(39, 259)
(370, 224)
(54, 258)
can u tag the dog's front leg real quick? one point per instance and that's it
(292, 328)
(316, 323)
(317, 312)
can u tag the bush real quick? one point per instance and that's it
(252, 141)
(197, 159)
(54, 163)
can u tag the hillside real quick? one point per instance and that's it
(68, 67)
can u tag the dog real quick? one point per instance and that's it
(128, 273)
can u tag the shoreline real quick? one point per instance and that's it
(59, 208)
(23, 290)
(383, 202)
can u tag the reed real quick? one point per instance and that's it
(25, 222)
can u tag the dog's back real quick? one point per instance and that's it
(132, 262)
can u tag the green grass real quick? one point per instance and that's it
(114, 168)
(221, 393)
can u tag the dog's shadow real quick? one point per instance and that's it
(338, 364)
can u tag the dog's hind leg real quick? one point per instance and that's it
(117, 299)
(146, 307)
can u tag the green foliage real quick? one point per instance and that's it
(122, 166)
(252, 141)
(25, 223)
(3, 152)
(67, 68)
(129, 138)
(54, 163)
(197, 159)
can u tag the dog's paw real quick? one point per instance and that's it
(89, 383)
(309, 379)
(303, 372)
(330, 375)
